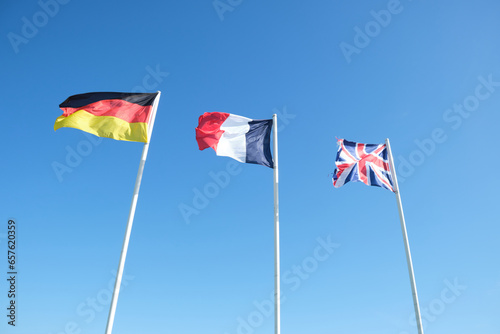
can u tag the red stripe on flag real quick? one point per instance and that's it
(129, 112)
(362, 162)
(208, 131)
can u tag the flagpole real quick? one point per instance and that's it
(277, 294)
(418, 318)
(130, 221)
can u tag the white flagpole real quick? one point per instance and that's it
(130, 221)
(405, 237)
(277, 294)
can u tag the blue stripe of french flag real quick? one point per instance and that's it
(238, 137)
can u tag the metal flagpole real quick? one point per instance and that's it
(405, 237)
(277, 294)
(130, 221)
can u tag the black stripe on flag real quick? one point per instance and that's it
(81, 100)
(258, 140)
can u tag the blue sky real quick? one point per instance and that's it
(424, 74)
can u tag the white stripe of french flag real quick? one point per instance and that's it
(238, 137)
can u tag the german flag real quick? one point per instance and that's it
(121, 116)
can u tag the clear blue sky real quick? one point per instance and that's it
(424, 74)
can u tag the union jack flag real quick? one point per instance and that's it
(365, 163)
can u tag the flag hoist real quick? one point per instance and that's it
(277, 286)
(121, 116)
(248, 141)
(418, 316)
(373, 165)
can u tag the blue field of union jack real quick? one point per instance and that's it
(365, 163)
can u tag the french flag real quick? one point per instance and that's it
(240, 138)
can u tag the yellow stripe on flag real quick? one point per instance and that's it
(104, 126)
